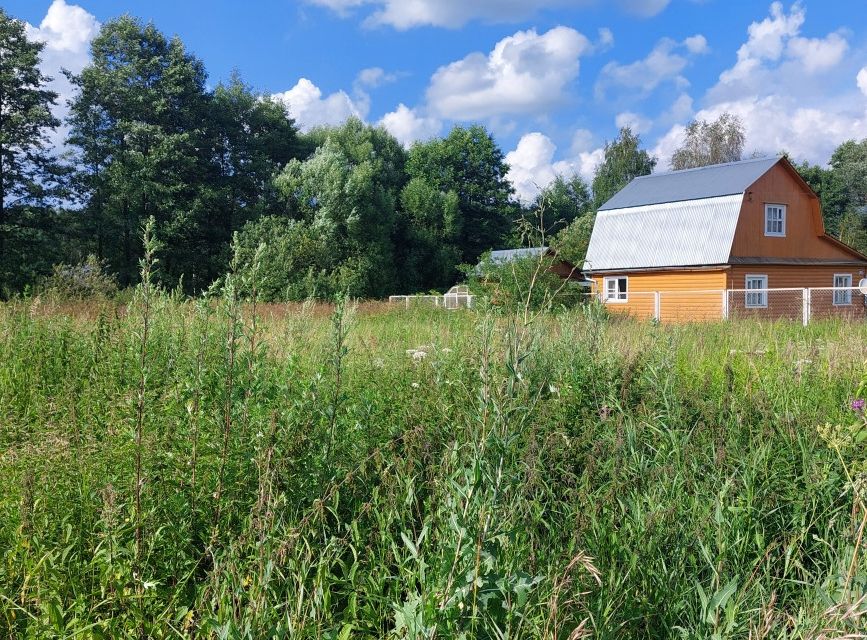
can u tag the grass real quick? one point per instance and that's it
(359, 472)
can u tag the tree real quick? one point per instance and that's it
(623, 160)
(429, 233)
(347, 193)
(709, 143)
(849, 165)
(138, 121)
(562, 202)
(26, 163)
(469, 163)
(832, 193)
(571, 243)
(251, 138)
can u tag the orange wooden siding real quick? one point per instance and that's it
(690, 295)
(804, 228)
(782, 304)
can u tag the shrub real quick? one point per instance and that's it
(526, 281)
(86, 279)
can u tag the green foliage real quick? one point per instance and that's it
(346, 192)
(305, 476)
(469, 163)
(86, 280)
(842, 192)
(572, 242)
(526, 282)
(709, 143)
(829, 186)
(296, 261)
(27, 168)
(152, 141)
(428, 245)
(623, 161)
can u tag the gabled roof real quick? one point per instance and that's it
(691, 184)
(670, 234)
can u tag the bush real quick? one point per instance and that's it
(88, 279)
(526, 281)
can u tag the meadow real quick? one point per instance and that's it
(212, 469)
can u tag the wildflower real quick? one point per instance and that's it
(415, 385)
(858, 405)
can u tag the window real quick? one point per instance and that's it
(775, 220)
(616, 289)
(842, 290)
(757, 299)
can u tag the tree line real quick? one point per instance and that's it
(225, 171)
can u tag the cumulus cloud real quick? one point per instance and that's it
(375, 77)
(310, 109)
(408, 126)
(638, 123)
(784, 87)
(406, 14)
(776, 57)
(818, 54)
(525, 73)
(532, 166)
(665, 63)
(67, 31)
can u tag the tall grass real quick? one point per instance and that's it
(229, 470)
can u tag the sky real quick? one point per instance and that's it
(553, 80)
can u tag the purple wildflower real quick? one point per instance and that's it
(858, 405)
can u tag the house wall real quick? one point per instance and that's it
(804, 228)
(689, 294)
(789, 304)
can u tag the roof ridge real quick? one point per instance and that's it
(709, 166)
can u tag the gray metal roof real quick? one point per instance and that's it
(508, 255)
(671, 234)
(691, 184)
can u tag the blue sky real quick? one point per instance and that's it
(552, 79)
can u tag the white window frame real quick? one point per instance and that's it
(616, 299)
(762, 293)
(843, 298)
(782, 209)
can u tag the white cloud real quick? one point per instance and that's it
(696, 44)
(310, 109)
(663, 64)
(66, 30)
(525, 73)
(406, 14)
(644, 8)
(408, 126)
(375, 77)
(638, 123)
(818, 54)
(776, 55)
(532, 166)
(785, 89)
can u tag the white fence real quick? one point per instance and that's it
(803, 304)
(447, 301)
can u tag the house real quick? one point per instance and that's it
(562, 268)
(739, 238)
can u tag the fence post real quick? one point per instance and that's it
(807, 304)
(656, 306)
(725, 304)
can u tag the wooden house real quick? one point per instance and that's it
(739, 238)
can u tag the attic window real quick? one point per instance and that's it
(775, 220)
(617, 289)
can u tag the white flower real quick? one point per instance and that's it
(415, 385)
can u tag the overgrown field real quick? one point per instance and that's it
(177, 469)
